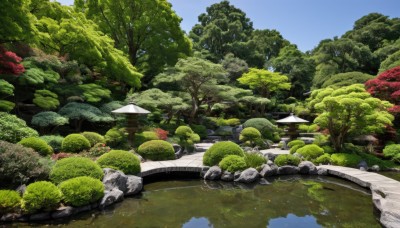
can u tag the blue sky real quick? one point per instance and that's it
(302, 22)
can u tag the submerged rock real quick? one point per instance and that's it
(62, 212)
(111, 197)
(134, 185)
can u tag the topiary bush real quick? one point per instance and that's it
(71, 167)
(233, 163)
(41, 195)
(20, 165)
(99, 149)
(254, 160)
(14, 129)
(391, 151)
(157, 150)
(186, 136)
(232, 122)
(250, 134)
(310, 152)
(10, 201)
(80, 191)
(220, 150)
(296, 142)
(287, 159)
(116, 138)
(38, 144)
(54, 141)
(93, 137)
(263, 125)
(323, 159)
(75, 143)
(145, 136)
(343, 159)
(122, 160)
(294, 148)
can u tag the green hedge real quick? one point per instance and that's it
(121, 160)
(10, 201)
(38, 144)
(75, 143)
(220, 150)
(287, 159)
(72, 167)
(80, 191)
(157, 150)
(310, 152)
(40, 196)
(93, 137)
(343, 159)
(233, 163)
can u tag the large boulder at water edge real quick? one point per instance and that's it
(248, 176)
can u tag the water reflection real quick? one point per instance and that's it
(197, 223)
(292, 220)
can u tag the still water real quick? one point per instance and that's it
(290, 201)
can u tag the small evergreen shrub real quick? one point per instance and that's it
(71, 167)
(310, 152)
(294, 148)
(391, 150)
(80, 191)
(350, 148)
(296, 142)
(233, 163)
(99, 149)
(232, 122)
(93, 137)
(328, 149)
(54, 141)
(287, 159)
(323, 159)
(343, 159)
(183, 131)
(220, 150)
(75, 143)
(116, 137)
(41, 195)
(186, 136)
(121, 160)
(263, 125)
(249, 134)
(254, 160)
(157, 150)
(145, 136)
(20, 165)
(200, 130)
(10, 201)
(37, 144)
(13, 129)
(373, 160)
(396, 158)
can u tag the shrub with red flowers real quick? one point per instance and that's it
(99, 149)
(386, 86)
(162, 134)
(10, 63)
(62, 155)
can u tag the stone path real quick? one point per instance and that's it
(202, 147)
(276, 151)
(385, 191)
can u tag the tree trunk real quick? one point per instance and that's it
(195, 108)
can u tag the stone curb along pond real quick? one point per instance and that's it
(385, 195)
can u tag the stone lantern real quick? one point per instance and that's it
(292, 120)
(132, 113)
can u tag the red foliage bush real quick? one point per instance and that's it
(61, 155)
(10, 63)
(386, 86)
(162, 134)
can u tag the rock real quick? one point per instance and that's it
(114, 179)
(236, 175)
(270, 156)
(21, 189)
(269, 170)
(214, 173)
(178, 150)
(375, 168)
(307, 167)
(224, 131)
(322, 171)
(288, 170)
(134, 185)
(269, 162)
(78, 210)
(390, 218)
(94, 205)
(248, 176)
(363, 164)
(40, 216)
(111, 197)
(204, 171)
(10, 217)
(227, 176)
(62, 212)
(362, 169)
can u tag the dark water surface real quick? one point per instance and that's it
(290, 201)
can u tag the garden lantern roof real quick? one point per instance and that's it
(291, 119)
(131, 108)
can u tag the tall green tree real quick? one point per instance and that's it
(148, 30)
(234, 66)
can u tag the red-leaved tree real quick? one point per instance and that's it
(10, 63)
(386, 86)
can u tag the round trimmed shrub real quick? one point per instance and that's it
(121, 160)
(328, 149)
(71, 167)
(296, 142)
(294, 148)
(343, 159)
(254, 160)
(233, 163)
(323, 159)
(287, 159)
(183, 131)
(54, 141)
(157, 150)
(145, 136)
(75, 143)
(232, 122)
(116, 137)
(80, 191)
(42, 195)
(10, 201)
(263, 125)
(93, 137)
(249, 134)
(220, 150)
(391, 150)
(38, 144)
(311, 151)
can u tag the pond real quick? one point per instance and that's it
(391, 174)
(290, 201)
